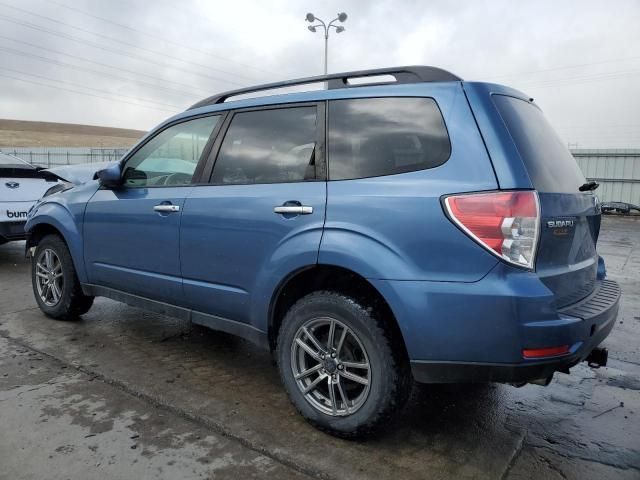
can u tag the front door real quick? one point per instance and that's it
(262, 214)
(131, 234)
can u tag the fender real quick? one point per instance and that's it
(62, 220)
(65, 212)
(375, 256)
(354, 250)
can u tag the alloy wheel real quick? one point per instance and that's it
(49, 277)
(330, 366)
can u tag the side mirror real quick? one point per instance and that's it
(110, 177)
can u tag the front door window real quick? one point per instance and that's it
(170, 158)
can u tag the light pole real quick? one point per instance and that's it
(342, 17)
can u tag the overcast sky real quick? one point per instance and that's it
(138, 62)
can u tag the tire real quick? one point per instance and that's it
(65, 301)
(358, 409)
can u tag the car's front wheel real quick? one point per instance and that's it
(340, 366)
(55, 284)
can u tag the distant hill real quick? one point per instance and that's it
(20, 133)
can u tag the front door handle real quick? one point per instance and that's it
(294, 209)
(164, 208)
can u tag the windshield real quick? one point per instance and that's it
(550, 165)
(9, 161)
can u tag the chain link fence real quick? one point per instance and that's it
(54, 156)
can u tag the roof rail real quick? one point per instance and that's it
(407, 74)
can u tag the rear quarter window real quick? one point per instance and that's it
(371, 137)
(550, 165)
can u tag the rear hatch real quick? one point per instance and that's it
(566, 260)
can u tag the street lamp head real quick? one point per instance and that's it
(312, 28)
(342, 17)
(339, 29)
(310, 17)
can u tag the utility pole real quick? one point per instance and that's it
(342, 17)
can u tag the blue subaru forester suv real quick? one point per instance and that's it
(426, 229)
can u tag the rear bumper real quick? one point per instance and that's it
(527, 370)
(476, 332)
(12, 231)
(434, 372)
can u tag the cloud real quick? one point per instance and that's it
(137, 62)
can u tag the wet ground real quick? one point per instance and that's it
(124, 393)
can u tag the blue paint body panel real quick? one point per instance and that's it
(65, 212)
(130, 247)
(398, 219)
(225, 253)
(235, 249)
(486, 322)
(510, 171)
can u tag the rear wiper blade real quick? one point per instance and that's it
(589, 186)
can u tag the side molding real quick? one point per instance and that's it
(243, 330)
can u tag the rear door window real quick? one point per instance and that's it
(268, 146)
(550, 165)
(370, 137)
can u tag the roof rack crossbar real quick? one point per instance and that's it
(406, 74)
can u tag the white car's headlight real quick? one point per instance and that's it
(58, 187)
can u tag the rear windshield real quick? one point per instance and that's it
(9, 161)
(550, 166)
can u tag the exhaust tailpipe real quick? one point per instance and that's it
(598, 357)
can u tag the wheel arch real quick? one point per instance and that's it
(41, 230)
(55, 219)
(328, 277)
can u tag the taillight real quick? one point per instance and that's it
(505, 223)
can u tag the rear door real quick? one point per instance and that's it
(566, 260)
(261, 214)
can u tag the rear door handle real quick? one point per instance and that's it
(164, 208)
(294, 209)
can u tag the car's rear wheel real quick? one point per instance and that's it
(340, 365)
(55, 284)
